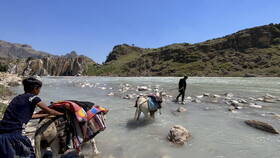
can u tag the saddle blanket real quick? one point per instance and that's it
(152, 104)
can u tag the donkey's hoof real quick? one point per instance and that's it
(96, 152)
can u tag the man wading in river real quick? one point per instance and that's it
(182, 88)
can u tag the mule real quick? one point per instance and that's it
(49, 131)
(142, 105)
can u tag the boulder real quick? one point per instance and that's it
(178, 135)
(181, 109)
(262, 126)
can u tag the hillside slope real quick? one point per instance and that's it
(250, 51)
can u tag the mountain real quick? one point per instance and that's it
(23, 59)
(14, 50)
(251, 52)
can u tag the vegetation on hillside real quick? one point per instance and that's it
(250, 51)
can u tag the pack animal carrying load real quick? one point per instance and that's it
(90, 118)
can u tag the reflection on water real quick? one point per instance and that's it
(215, 131)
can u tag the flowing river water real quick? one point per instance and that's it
(216, 132)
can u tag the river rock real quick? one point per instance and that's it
(268, 96)
(267, 100)
(229, 95)
(277, 116)
(181, 109)
(206, 94)
(110, 94)
(143, 88)
(261, 125)
(178, 135)
(236, 103)
(128, 96)
(255, 105)
(196, 101)
(231, 108)
(216, 96)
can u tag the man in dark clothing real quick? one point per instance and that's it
(182, 88)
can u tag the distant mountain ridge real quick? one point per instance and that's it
(14, 50)
(23, 59)
(250, 51)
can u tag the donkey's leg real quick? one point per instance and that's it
(93, 144)
(38, 148)
(55, 146)
(146, 114)
(136, 114)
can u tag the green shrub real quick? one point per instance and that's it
(276, 41)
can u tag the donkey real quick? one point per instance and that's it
(142, 105)
(49, 130)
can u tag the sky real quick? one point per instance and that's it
(94, 27)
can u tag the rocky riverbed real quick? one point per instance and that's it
(6, 81)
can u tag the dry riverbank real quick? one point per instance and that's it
(6, 81)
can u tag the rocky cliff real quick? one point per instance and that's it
(24, 60)
(250, 51)
(50, 66)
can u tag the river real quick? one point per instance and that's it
(216, 132)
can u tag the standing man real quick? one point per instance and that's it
(182, 88)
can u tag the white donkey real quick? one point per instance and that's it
(142, 105)
(48, 133)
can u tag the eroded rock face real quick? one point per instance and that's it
(262, 126)
(50, 66)
(178, 135)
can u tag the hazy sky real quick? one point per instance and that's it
(94, 27)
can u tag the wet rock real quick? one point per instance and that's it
(216, 96)
(267, 100)
(200, 96)
(242, 101)
(252, 98)
(196, 101)
(277, 116)
(181, 109)
(236, 103)
(142, 88)
(231, 108)
(229, 95)
(206, 94)
(268, 96)
(262, 126)
(110, 94)
(178, 135)
(255, 105)
(128, 96)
